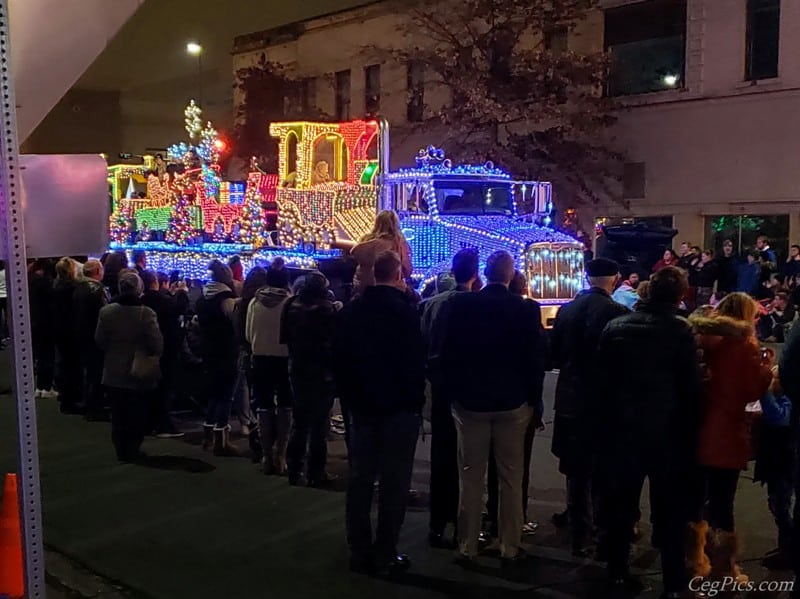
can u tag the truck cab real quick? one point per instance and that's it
(444, 208)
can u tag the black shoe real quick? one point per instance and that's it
(624, 585)
(170, 434)
(780, 560)
(97, 416)
(361, 565)
(484, 539)
(132, 458)
(395, 565)
(295, 479)
(560, 519)
(437, 540)
(520, 558)
(322, 482)
(468, 562)
(582, 552)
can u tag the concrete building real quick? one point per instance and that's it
(710, 89)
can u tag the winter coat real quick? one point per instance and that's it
(169, 309)
(306, 330)
(498, 337)
(791, 269)
(434, 322)
(40, 292)
(124, 328)
(87, 301)
(735, 376)
(379, 355)
(749, 276)
(263, 327)
(789, 367)
(707, 274)
(654, 409)
(728, 273)
(62, 312)
(573, 346)
(365, 253)
(218, 347)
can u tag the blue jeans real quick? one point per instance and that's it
(220, 382)
(382, 447)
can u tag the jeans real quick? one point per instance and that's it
(220, 380)
(92, 360)
(478, 434)
(128, 420)
(68, 374)
(312, 410)
(623, 478)
(444, 463)
(780, 492)
(715, 497)
(382, 448)
(44, 353)
(271, 380)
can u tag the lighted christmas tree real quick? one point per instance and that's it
(181, 229)
(253, 225)
(120, 222)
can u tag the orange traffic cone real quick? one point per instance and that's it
(11, 577)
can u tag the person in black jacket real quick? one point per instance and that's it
(650, 426)
(40, 291)
(379, 369)
(493, 374)
(728, 265)
(68, 373)
(169, 309)
(444, 441)
(90, 296)
(573, 346)
(220, 352)
(307, 330)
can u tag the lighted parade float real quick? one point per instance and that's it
(333, 178)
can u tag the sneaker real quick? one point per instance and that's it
(170, 434)
(48, 394)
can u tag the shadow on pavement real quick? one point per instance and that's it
(176, 463)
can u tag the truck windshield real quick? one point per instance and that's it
(473, 197)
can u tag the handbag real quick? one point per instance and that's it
(145, 368)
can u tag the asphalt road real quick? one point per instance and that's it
(192, 525)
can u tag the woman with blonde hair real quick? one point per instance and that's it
(385, 236)
(736, 375)
(68, 364)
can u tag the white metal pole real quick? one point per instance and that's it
(12, 234)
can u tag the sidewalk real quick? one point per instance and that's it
(203, 527)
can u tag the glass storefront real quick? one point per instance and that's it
(744, 229)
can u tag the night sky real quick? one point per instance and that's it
(151, 46)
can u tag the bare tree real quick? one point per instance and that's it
(517, 95)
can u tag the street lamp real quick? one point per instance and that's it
(195, 49)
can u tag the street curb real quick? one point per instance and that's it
(78, 581)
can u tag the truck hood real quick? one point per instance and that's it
(514, 229)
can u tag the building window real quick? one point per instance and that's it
(647, 43)
(309, 96)
(557, 40)
(415, 111)
(762, 39)
(372, 90)
(743, 231)
(342, 95)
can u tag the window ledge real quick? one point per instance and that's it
(666, 95)
(771, 83)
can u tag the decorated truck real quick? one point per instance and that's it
(332, 179)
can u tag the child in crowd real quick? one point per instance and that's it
(775, 466)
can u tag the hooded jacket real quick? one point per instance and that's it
(735, 375)
(214, 309)
(263, 325)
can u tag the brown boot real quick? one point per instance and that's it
(284, 426)
(724, 551)
(697, 562)
(222, 447)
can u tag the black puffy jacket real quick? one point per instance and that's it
(307, 330)
(651, 390)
